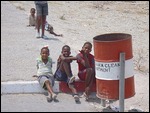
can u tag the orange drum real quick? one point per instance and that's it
(107, 49)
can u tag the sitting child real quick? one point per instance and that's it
(32, 18)
(50, 29)
(45, 74)
(86, 66)
(64, 72)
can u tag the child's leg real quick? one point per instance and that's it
(48, 86)
(50, 90)
(89, 77)
(51, 31)
(66, 68)
(89, 80)
(38, 21)
(71, 86)
(43, 24)
(74, 91)
(46, 82)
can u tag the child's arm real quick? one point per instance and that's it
(68, 59)
(85, 62)
(37, 68)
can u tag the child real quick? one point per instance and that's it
(32, 18)
(64, 72)
(42, 12)
(86, 66)
(50, 29)
(44, 73)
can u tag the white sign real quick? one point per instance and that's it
(111, 70)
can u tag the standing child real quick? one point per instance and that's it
(86, 66)
(44, 73)
(64, 72)
(32, 18)
(42, 12)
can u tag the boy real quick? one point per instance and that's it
(64, 72)
(86, 66)
(44, 73)
(32, 18)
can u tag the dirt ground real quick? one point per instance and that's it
(80, 21)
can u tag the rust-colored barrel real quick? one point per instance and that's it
(107, 49)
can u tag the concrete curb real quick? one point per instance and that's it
(11, 87)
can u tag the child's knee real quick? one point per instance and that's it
(46, 82)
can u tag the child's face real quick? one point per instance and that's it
(87, 48)
(32, 11)
(66, 51)
(44, 54)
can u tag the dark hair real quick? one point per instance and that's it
(65, 46)
(87, 43)
(32, 9)
(44, 48)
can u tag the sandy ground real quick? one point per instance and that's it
(80, 21)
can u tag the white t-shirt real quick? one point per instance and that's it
(44, 69)
(32, 20)
(47, 25)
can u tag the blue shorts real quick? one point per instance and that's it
(61, 76)
(42, 9)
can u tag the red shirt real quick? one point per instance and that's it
(80, 57)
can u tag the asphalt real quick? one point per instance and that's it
(19, 50)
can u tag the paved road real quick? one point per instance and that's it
(38, 103)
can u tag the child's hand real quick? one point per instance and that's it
(62, 57)
(82, 52)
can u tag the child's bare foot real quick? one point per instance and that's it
(86, 96)
(61, 35)
(87, 90)
(76, 97)
(49, 98)
(54, 96)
